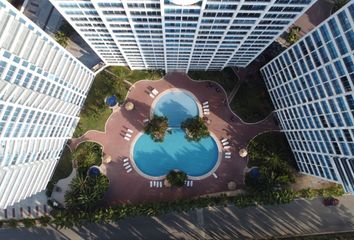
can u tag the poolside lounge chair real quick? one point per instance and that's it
(206, 110)
(154, 183)
(128, 135)
(228, 153)
(225, 143)
(152, 95)
(126, 164)
(151, 184)
(227, 156)
(224, 140)
(205, 106)
(127, 138)
(129, 170)
(129, 130)
(191, 184)
(206, 113)
(146, 120)
(155, 92)
(205, 103)
(125, 159)
(161, 185)
(227, 147)
(215, 176)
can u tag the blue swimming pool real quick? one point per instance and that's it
(156, 159)
(175, 152)
(177, 106)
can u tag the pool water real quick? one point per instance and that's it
(177, 106)
(156, 159)
(175, 152)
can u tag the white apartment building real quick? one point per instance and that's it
(180, 34)
(311, 85)
(42, 89)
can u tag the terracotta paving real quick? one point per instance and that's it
(132, 187)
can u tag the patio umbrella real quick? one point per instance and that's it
(243, 152)
(231, 185)
(129, 106)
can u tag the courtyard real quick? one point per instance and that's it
(134, 187)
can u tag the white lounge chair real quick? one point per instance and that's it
(191, 184)
(152, 95)
(205, 103)
(128, 135)
(151, 184)
(206, 113)
(228, 153)
(127, 138)
(129, 170)
(227, 156)
(225, 143)
(215, 176)
(125, 159)
(146, 120)
(227, 147)
(155, 92)
(205, 106)
(223, 140)
(129, 130)
(154, 182)
(125, 164)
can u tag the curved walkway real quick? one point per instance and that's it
(131, 187)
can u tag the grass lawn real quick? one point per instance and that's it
(62, 170)
(226, 78)
(124, 73)
(251, 102)
(95, 112)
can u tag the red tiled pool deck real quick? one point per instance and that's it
(133, 188)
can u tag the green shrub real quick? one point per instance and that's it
(176, 179)
(29, 222)
(13, 223)
(157, 128)
(86, 155)
(195, 129)
(44, 220)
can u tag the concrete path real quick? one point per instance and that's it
(298, 218)
(63, 184)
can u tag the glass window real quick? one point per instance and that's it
(344, 21)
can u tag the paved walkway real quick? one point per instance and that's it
(297, 218)
(132, 187)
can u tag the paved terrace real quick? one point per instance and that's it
(133, 188)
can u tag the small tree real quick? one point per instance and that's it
(176, 178)
(157, 128)
(86, 192)
(293, 36)
(12, 223)
(195, 129)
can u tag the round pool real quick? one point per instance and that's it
(156, 159)
(177, 105)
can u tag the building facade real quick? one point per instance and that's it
(42, 89)
(180, 34)
(311, 85)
